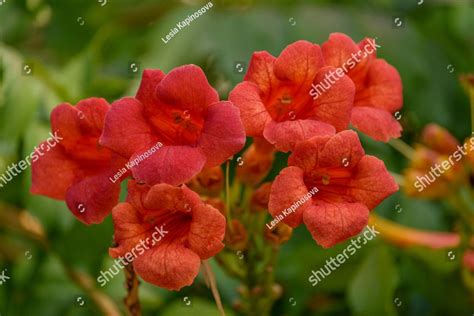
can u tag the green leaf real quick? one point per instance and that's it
(371, 291)
(197, 307)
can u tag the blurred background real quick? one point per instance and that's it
(62, 51)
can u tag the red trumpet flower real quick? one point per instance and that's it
(275, 101)
(378, 85)
(77, 169)
(182, 112)
(331, 186)
(190, 231)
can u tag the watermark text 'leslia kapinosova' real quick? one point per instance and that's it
(182, 24)
(290, 210)
(135, 162)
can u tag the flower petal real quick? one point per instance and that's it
(334, 105)
(170, 164)
(343, 145)
(338, 51)
(80, 123)
(207, 228)
(340, 150)
(186, 87)
(94, 111)
(93, 198)
(382, 88)
(125, 128)
(286, 190)
(371, 182)
(332, 223)
(376, 123)
(168, 265)
(223, 134)
(299, 62)
(285, 135)
(261, 73)
(164, 197)
(128, 229)
(252, 111)
(53, 162)
(147, 91)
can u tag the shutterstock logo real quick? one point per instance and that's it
(333, 76)
(139, 249)
(331, 264)
(16, 168)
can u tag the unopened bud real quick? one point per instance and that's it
(279, 235)
(209, 181)
(439, 139)
(237, 238)
(260, 198)
(258, 160)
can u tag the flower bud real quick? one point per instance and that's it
(435, 170)
(439, 139)
(259, 199)
(467, 82)
(277, 291)
(209, 181)
(217, 204)
(469, 145)
(468, 260)
(257, 162)
(279, 235)
(237, 239)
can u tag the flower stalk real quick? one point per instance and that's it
(132, 302)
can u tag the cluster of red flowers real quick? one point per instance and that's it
(182, 112)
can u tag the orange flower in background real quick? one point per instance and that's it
(469, 145)
(192, 231)
(78, 169)
(436, 168)
(256, 162)
(348, 185)
(260, 198)
(278, 236)
(209, 181)
(181, 111)
(378, 86)
(275, 101)
(468, 260)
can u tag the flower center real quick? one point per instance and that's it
(325, 179)
(286, 104)
(176, 223)
(178, 127)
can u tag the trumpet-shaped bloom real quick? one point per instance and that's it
(349, 185)
(275, 101)
(378, 85)
(182, 112)
(190, 231)
(427, 175)
(77, 169)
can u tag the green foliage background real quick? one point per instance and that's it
(71, 61)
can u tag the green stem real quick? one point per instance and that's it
(227, 196)
(402, 147)
(212, 282)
